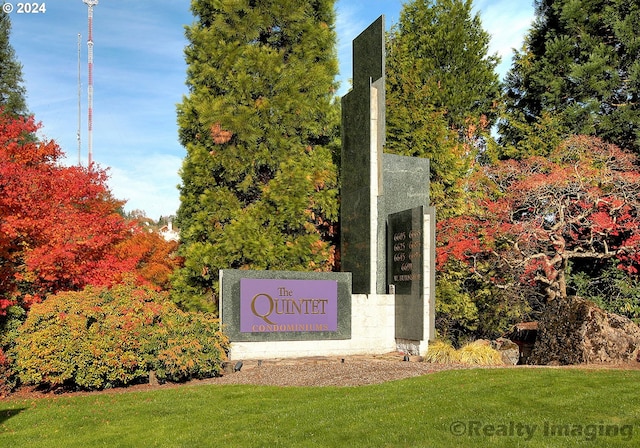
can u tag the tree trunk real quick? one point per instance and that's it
(557, 281)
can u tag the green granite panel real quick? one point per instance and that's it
(231, 305)
(409, 317)
(355, 202)
(369, 55)
(355, 165)
(406, 182)
(405, 186)
(405, 245)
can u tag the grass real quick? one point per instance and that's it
(569, 407)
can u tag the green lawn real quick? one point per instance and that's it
(539, 407)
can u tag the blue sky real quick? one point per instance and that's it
(139, 77)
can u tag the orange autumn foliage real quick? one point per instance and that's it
(60, 227)
(156, 258)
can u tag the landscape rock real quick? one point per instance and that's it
(509, 350)
(577, 331)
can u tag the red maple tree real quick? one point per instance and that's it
(60, 227)
(532, 217)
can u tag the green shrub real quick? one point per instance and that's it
(9, 323)
(5, 387)
(186, 345)
(108, 337)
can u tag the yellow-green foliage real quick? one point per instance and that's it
(474, 353)
(442, 353)
(479, 353)
(107, 337)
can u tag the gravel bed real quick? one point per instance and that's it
(327, 372)
(320, 371)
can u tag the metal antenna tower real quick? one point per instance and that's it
(90, 4)
(79, 105)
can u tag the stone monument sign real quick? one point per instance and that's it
(385, 198)
(285, 306)
(374, 184)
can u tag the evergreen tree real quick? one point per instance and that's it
(578, 73)
(12, 92)
(260, 126)
(442, 87)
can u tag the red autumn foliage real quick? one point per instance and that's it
(60, 227)
(583, 202)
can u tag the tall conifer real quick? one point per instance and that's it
(442, 87)
(578, 73)
(260, 126)
(12, 91)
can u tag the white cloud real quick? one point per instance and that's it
(148, 183)
(507, 22)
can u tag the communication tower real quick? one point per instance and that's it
(79, 105)
(90, 4)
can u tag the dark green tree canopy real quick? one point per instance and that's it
(260, 126)
(443, 45)
(442, 88)
(12, 91)
(578, 73)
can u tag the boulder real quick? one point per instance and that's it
(509, 350)
(577, 331)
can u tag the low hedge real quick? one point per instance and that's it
(108, 337)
